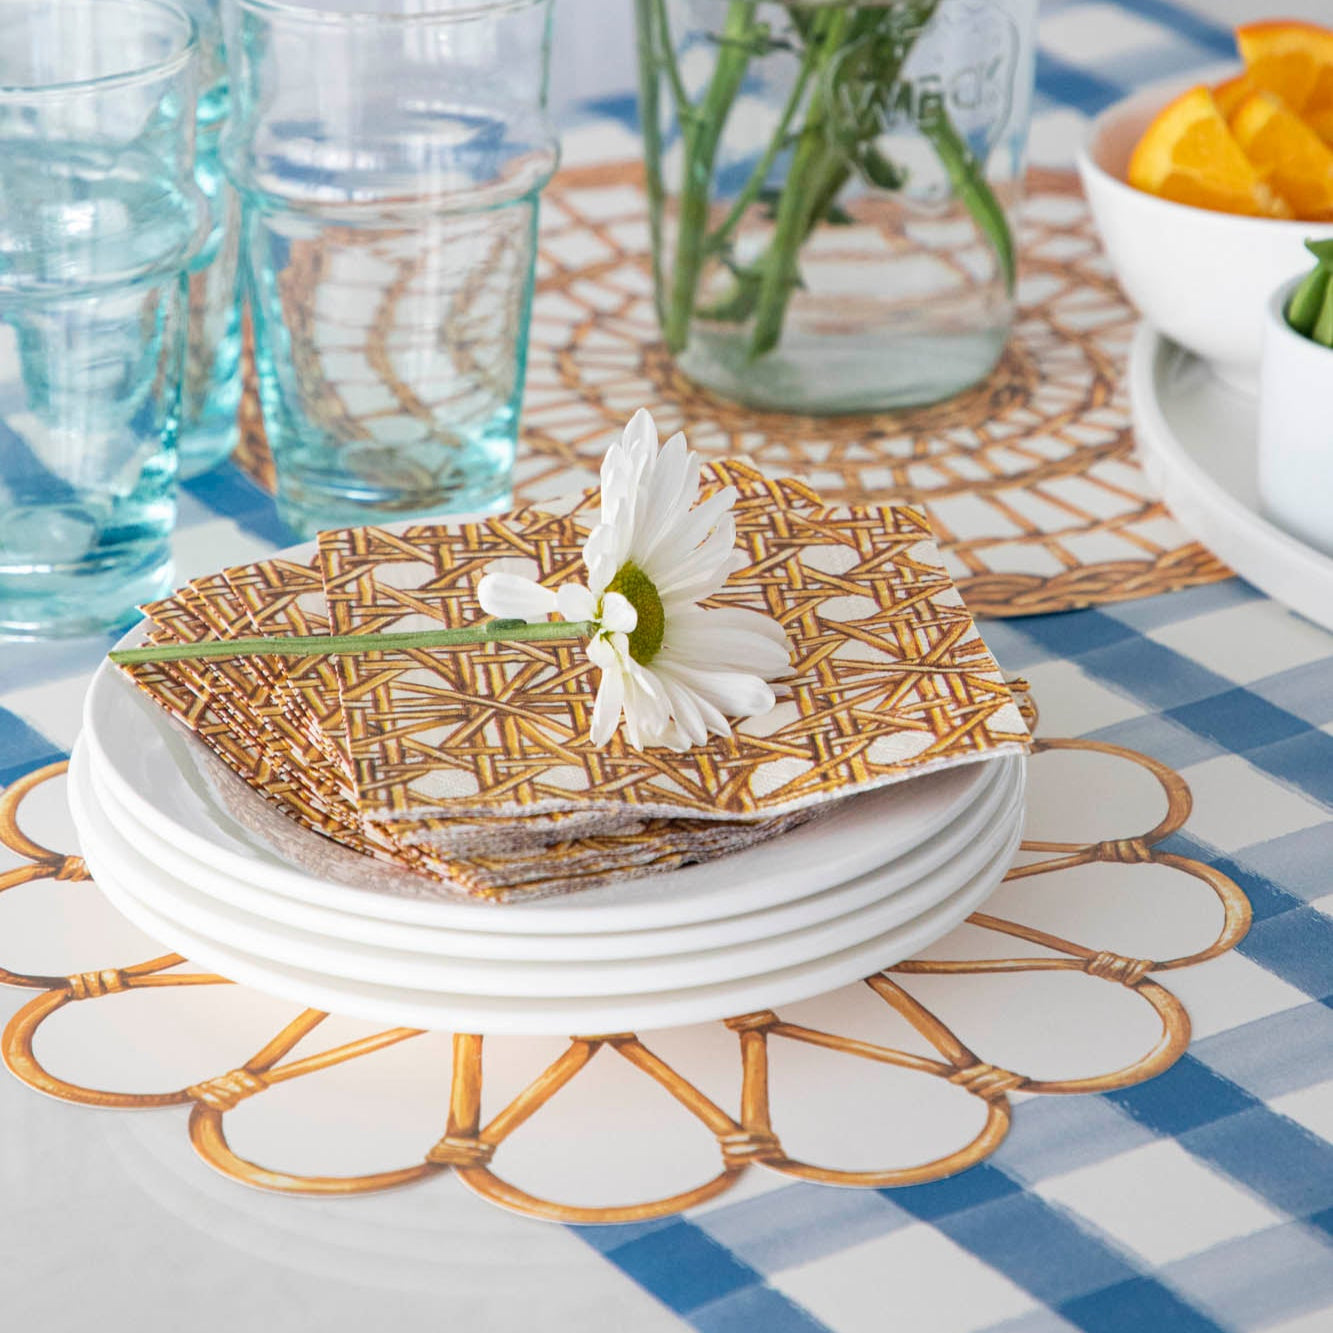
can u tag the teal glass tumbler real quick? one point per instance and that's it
(389, 155)
(211, 385)
(100, 217)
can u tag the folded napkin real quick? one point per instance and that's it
(469, 768)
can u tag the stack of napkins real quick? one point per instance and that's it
(471, 764)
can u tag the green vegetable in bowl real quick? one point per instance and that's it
(1310, 310)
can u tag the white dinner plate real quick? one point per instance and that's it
(1198, 441)
(153, 768)
(972, 824)
(558, 1016)
(109, 850)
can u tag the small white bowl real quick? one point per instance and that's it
(1202, 278)
(1296, 427)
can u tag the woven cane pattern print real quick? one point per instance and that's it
(264, 723)
(1029, 478)
(890, 677)
(746, 1127)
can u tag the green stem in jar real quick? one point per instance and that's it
(971, 186)
(754, 185)
(702, 132)
(853, 55)
(802, 195)
(661, 28)
(650, 116)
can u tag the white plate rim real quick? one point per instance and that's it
(555, 915)
(1255, 548)
(450, 1013)
(894, 877)
(178, 902)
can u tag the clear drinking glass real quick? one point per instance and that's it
(211, 387)
(99, 217)
(389, 154)
(834, 186)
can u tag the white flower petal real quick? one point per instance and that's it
(610, 699)
(735, 694)
(599, 558)
(602, 652)
(647, 712)
(739, 617)
(618, 614)
(575, 602)
(713, 661)
(706, 568)
(671, 737)
(674, 488)
(512, 597)
(696, 638)
(699, 522)
(696, 716)
(624, 465)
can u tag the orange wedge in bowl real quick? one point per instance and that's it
(1293, 158)
(1293, 60)
(1189, 155)
(1230, 93)
(1321, 122)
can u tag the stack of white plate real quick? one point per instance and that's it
(817, 908)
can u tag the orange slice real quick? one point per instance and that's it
(1289, 154)
(1293, 60)
(1189, 155)
(1230, 93)
(1321, 122)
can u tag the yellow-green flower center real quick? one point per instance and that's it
(641, 593)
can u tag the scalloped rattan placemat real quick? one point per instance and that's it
(982, 1041)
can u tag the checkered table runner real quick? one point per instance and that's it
(1199, 1202)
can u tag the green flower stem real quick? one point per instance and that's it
(702, 131)
(322, 645)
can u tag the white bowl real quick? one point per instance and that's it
(1296, 427)
(1202, 278)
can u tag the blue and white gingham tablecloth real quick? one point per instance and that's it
(1199, 1202)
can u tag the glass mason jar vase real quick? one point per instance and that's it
(833, 189)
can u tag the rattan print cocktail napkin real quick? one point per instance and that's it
(659, 671)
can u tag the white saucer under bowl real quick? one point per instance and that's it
(763, 923)
(115, 852)
(1198, 440)
(156, 772)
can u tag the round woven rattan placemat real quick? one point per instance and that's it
(1029, 477)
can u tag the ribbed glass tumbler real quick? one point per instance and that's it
(389, 154)
(99, 218)
(211, 388)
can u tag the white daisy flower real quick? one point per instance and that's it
(677, 671)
